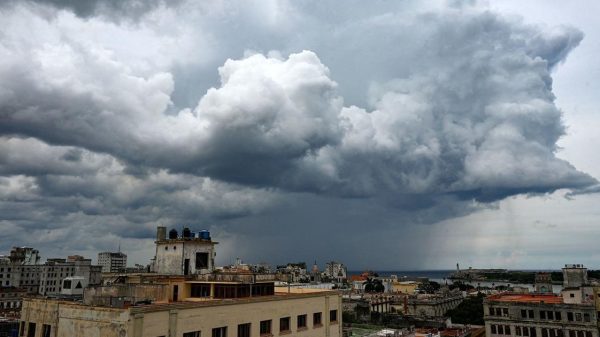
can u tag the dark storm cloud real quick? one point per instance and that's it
(416, 114)
(109, 8)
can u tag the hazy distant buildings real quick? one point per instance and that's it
(54, 271)
(335, 272)
(21, 273)
(112, 262)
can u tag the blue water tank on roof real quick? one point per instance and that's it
(204, 234)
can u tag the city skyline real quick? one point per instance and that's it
(388, 136)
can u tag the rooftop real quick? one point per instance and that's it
(527, 298)
(281, 293)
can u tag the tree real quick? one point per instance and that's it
(469, 311)
(373, 286)
(430, 287)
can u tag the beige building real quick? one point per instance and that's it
(301, 312)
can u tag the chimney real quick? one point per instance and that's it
(161, 233)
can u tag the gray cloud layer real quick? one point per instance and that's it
(423, 113)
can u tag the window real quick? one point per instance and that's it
(586, 317)
(578, 317)
(570, 316)
(498, 312)
(219, 332)
(518, 331)
(491, 311)
(191, 334)
(505, 312)
(31, 330)
(523, 313)
(317, 319)
(22, 328)
(333, 316)
(201, 260)
(571, 295)
(244, 330)
(557, 316)
(284, 324)
(545, 332)
(67, 284)
(46, 330)
(494, 331)
(301, 321)
(200, 290)
(265, 327)
(542, 316)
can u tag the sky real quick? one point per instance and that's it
(407, 135)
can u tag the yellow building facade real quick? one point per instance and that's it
(289, 312)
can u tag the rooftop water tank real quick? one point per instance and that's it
(173, 234)
(187, 233)
(204, 234)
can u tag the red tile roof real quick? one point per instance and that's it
(528, 298)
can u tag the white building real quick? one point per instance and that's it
(187, 254)
(112, 262)
(335, 271)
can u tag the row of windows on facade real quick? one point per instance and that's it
(10, 305)
(23, 275)
(232, 291)
(265, 326)
(527, 331)
(242, 331)
(46, 329)
(543, 314)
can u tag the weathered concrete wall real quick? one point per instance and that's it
(133, 293)
(77, 320)
(71, 320)
(169, 258)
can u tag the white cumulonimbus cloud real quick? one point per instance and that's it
(432, 109)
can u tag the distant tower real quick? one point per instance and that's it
(574, 275)
(543, 283)
(457, 268)
(315, 275)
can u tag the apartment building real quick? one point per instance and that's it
(544, 314)
(10, 300)
(538, 315)
(112, 262)
(54, 271)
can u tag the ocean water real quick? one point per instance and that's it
(431, 274)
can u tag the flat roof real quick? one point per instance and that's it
(161, 306)
(158, 306)
(527, 298)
